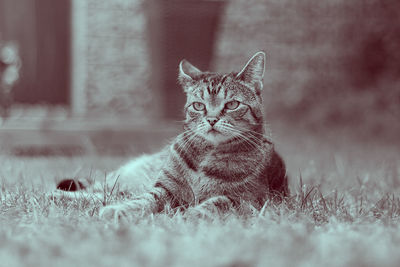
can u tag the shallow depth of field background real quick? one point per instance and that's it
(97, 85)
(330, 64)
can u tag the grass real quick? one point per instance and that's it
(344, 211)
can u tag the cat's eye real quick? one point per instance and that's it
(199, 106)
(232, 105)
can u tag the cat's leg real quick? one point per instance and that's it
(147, 203)
(213, 206)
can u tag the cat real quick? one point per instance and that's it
(222, 160)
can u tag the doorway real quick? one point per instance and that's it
(41, 31)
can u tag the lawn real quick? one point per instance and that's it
(344, 211)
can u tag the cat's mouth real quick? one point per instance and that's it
(215, 137)
(213, 131)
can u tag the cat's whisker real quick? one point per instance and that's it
(249, 130)
(186, 134)
(239, 136)
(183, 145)
(191, 140)
(198, 129)
(193, 134)
(251, 143)
(249, 137)
(252, 134)
(246, 139)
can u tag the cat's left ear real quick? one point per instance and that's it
(253, 72)
(187, 72)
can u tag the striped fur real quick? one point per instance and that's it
(223, 158)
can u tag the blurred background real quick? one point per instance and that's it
(99, 72)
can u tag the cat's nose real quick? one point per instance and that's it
(212, 120)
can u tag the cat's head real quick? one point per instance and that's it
(220, 107)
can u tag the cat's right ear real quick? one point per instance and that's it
(253, 72)
(187, 72)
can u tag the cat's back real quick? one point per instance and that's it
(139, 174)
(274, 172)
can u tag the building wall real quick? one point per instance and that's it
(117, 59)
(318, 55)
(333, 61)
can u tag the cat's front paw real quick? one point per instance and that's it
(115, 213)
(125, 212)
(194, 213)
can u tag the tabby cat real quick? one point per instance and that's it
(220, 161)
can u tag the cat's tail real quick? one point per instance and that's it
(133, 178)
(98, 187)
(71, 185)
(88, 189)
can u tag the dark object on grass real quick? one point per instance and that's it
(70, 185)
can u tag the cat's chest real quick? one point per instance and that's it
(215, 158)
(229, 163)
(204, 187)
